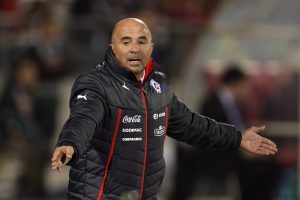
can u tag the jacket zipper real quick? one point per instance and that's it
(111, 152)
(146, 140)
(167, 121)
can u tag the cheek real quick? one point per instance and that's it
(147, 52)
(120, 55)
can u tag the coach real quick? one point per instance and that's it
(121, 112)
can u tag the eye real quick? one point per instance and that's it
(142, 42)
(126, 43)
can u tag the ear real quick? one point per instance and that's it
(112, 47)
(152, 46)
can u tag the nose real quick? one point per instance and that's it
(135, 48)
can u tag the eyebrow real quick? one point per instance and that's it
(143, 38)
(125, 38)
(129, 38)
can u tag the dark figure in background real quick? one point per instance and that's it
(121, 112)
(224, 105)
(208, 172)
(27, 119)
(50, 50)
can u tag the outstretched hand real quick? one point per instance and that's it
(61, 156)
(254, 143)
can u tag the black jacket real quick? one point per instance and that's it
(118, 127)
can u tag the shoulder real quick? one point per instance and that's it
(160, 76)
(161, 79)
(95, 75)
(92, 79)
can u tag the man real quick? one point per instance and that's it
(120, 114)
(223, 106)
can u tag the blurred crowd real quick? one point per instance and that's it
(43, 43)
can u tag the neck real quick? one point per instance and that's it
(140, 75)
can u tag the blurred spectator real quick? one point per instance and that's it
(226, 173)
(214, 168)
(27, 118)
(37, 61)
(51, 51)
(16, 103)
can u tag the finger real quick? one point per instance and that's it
(53, 166)
(59, 166)
(57, 155)
(68, 155)
(263, 151)
(67, 159)
(268, 151)
(267, 141)
(260, 152)
(269, 146)
(258, 129)
(56, 166)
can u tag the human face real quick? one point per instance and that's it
(132, 45)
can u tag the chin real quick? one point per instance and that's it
(136, 69)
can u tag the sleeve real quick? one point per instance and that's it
(200, 131)
(87, 107)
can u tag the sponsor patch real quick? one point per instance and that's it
(132, 130)
(159, 131)
(133, 119)
(132, 139)
(159, 115)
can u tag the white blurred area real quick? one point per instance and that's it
(193, 38)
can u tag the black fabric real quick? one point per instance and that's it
(201, 131)
(200, 166)
(97, 99)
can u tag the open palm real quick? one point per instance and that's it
(254, 143)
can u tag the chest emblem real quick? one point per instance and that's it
(156, 86)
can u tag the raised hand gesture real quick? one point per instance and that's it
(254, 143)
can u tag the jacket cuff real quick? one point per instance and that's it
(239, 139)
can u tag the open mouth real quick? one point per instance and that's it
(134, 60)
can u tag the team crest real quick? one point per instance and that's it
(156, 86)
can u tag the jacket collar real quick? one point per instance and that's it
(117, 68)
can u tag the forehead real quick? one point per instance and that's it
(131, 29)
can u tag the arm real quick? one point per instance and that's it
(87, 109)
(201, 131)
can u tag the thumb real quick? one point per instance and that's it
(258, 129)
(68, 155)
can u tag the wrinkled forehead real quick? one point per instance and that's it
(131, 29)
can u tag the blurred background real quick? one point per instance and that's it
(237, 61)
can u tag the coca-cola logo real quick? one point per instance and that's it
(134, 119)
